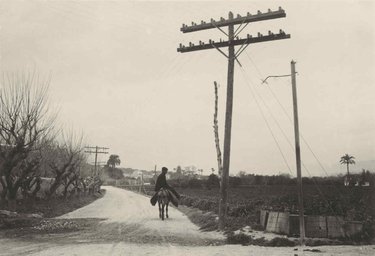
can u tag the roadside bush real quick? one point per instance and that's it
(195, 183)
(212, 181)
(186, 200)
(239, 239)
(280, 241)
(234, 181)
(205, 205)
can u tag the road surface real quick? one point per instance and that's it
(124, 223)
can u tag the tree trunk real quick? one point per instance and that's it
(347, 168)
(30, 202)
(3, 196)
(12, 205)
(12, 198)
(55, 185)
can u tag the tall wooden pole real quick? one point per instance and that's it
(228, 127)
(233, 40)
(298, 155)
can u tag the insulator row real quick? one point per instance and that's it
(222, 19)
(248, 36)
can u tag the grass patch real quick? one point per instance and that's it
(54, 207)
(244, 239)
(206, 221)
(48, 208)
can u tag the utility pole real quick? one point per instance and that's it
(297, 148)
(298, 155)
(96, 150)
(233, 40)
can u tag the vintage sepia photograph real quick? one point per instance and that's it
(149, 127)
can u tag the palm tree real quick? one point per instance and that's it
(113, 161)
(347, 159)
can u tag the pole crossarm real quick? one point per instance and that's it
(280, 13)
(97, 147)
(249, 40)
(96, 150)
(93, 152)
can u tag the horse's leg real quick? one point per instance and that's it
(162, 211)
(159, 209)
(166, 210)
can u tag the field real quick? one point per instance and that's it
(244, 203)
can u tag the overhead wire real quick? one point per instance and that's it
(287, 115)
(267, 123)
(285, 112)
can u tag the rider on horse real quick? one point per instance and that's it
(161, 182)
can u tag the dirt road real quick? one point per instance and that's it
(124, 223)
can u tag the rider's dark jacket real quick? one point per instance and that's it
(161, 182)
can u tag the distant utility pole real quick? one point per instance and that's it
(96, 150)
(233, 40)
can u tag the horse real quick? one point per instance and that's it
(163, 202)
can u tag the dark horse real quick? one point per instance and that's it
(163, 201)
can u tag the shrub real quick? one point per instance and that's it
(195, 183)
(239, 239)
(241, 211)
(213, 181)
(280, 241)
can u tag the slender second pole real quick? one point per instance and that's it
(96, 159)
(298, 156)
(228, 128)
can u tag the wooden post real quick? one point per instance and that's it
(228, 127)
(216, 132)
(298, 156)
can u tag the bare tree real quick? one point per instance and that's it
(25, 119)
(64, 159)
(31, 184)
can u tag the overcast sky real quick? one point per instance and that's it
(116, 76)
